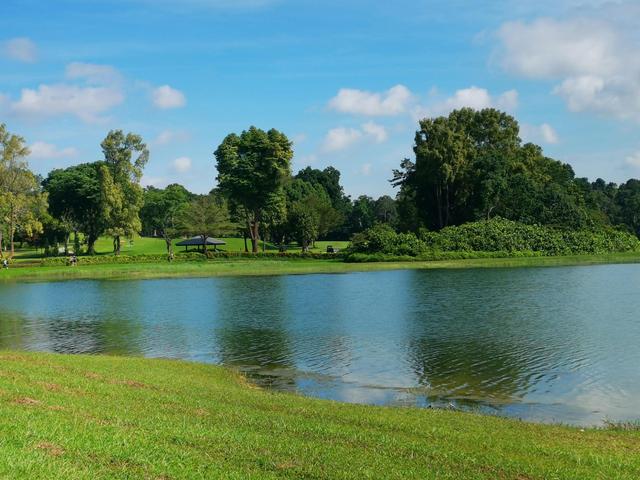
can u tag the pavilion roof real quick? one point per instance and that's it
(198, 240)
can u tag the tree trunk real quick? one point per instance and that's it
(91, 244)
(12, 231)
(255, 235)
(244, 234)
(66, 243)
(116, 245)
(76, 243)
(1, 243)
(439, 203)
(169, 244)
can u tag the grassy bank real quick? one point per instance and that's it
(110, 417)
(281, 267)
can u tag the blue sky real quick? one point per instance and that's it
(346, 80)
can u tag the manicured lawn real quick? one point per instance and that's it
(109, 417)
(148, 245)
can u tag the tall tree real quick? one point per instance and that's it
(471, 165)
(162, 211)
(124, 159)
(252, 168)
(206, 215)
(76, 199)
(20, 196)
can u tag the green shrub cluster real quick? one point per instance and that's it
(187, 257)
(495, 238)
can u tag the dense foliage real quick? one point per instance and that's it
(496, 235)
(472, 165)
(472, 187)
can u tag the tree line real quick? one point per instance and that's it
(468, 166)
(472, 165)
(257, 197)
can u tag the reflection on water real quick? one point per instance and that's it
(557, 344)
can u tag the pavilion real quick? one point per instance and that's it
(199, 241)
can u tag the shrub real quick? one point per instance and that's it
(182, 257)
(496, 237)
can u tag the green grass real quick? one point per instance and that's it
(148, 245)
(276, 266)
(110, 417)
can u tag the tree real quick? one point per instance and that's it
(20, 198)
(76, 199)
(161, 212)
(628, 200)
(329, 180)
(304, 223)
(363, 214)
(252, 169)
(120, 175)
(386, 210)
(471, 165)
(206, 216)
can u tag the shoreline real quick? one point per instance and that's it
(79, 416)
(259, 267)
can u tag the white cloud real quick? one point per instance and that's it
(378, 132)
(634, 159)
(394, 101)
(21, 49)
(342, 138)
(86, 103)
(47, 151)
(472, 97)
(93, 74)
(549, 134)
(98, 92)
(165, 97)
(543, 133)
(182, 164)
(595, 63)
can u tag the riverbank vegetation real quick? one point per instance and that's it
(497, 237)
(473, 189)
(110, 417)
(123, 267)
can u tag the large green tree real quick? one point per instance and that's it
(206, 216)
(252, 170)
(162, 212)
(125, 156)
(20, 197)
(76, 199)
(471, 165)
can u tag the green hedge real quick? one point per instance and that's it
(496, 237)
(186, 257)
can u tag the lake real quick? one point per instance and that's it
(542, 344)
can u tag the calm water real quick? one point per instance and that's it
(555, 344)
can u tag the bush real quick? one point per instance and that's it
(183, 257)
(496, 237)
(382, 238)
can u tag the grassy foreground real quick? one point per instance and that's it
(260, 266)
(111, 417)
